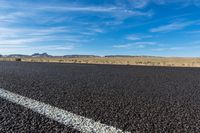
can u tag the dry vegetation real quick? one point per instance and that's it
(151, 61)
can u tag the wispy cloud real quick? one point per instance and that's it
(173, 26)
(145, 43)
(115, 14)
(71, 8)
(186, 46)
(135, 45)
(123, 45)
(10, 31)
(136, 37)
(194, 32)
(169, 48)
(46, 39)
(11, 16)
(133, 37)
(18, 49)
(183, 3)
(76, 8)
(19, 41)
(136, 4)
(139, 3)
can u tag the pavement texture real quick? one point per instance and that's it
(132, 98)
(16, 119)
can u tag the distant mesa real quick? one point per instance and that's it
(40, 55)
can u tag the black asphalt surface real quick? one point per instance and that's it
(132, 98)
(16, 119)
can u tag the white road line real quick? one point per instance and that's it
(79, 123)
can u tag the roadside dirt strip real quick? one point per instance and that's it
(130, 98)
(79, 123)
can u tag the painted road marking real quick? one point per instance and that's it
(79, 123)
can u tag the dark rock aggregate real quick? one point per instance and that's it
(16, 119)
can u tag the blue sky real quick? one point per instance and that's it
(100, 27)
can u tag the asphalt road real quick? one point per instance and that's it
(16, 119)
(132, 98)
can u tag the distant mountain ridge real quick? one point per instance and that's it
(15, 55)
(68, 56)
(47, 55)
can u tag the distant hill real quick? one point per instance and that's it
(16, 56)
(80, 56)
(47, 55)
(41, 55)
(68, 56)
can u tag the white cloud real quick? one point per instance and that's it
(173, 26)
(133, 37)
(134, 45)
(123, 45)
(22, 40)
(74, 8)
(18, 49)
(7, 18)
(106, 10)
(169, 48)
(138, 3)
(183, 3)
(114, 12)
(97, 30)
(19, 41)
(34, 31)
(136, 37)
(145, 43)
(71, 8)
